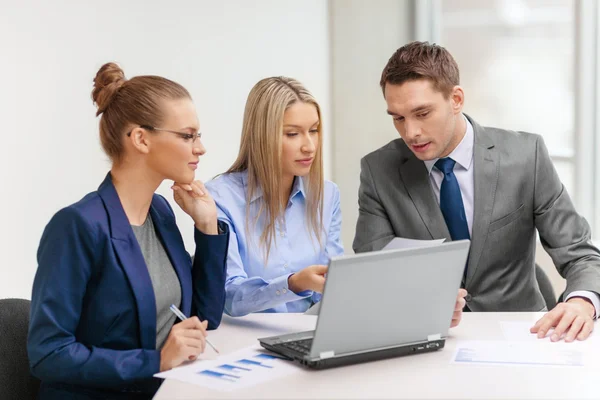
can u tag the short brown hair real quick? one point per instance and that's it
(422, 60)
(124, 102)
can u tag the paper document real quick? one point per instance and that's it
(241, 369)
(403, 243)
(519, 331)
(514, 353)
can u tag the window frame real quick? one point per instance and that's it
(428, 27)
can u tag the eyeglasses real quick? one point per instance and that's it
(183, 135)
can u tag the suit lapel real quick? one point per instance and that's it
(170, 237)
(485, 177)
(416, 180)
(130, 255)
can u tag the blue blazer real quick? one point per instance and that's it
(93, 311)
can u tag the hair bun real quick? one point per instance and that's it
(109, 78)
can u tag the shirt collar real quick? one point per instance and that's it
(463, 153)
(297, 188)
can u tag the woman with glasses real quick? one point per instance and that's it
(111, 265)
(284, 218)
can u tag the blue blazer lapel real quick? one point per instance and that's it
(130, 256)
(164, 222)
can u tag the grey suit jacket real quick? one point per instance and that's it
(516, 191)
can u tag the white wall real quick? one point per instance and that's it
(364, 36)
(50, 154)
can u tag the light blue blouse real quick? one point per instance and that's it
(253, 285)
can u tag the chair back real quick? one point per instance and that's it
(545, 287)
(16, 381)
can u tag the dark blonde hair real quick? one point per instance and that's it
(124, 102)
(422, 60)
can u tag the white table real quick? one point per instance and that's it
(419, 376)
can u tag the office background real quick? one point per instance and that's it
(525, 64)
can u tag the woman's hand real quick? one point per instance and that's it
(310, 278)
(184, 343)
(195, 201)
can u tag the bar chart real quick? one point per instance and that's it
(244, 368)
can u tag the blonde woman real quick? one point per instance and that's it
(284, 218)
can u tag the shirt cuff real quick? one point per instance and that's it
(591, 296)
(281, 290)
(316, 297)
(222, 229)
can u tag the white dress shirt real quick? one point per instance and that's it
(463, 170)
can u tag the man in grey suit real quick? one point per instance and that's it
(448, 177)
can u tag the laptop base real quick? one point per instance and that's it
(339, 361)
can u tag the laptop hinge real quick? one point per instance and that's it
(431, 338)
(326, 354)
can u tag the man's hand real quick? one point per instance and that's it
(458, 308)
(573, 318)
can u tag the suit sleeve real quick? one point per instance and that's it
(373, 227)
(208, 275)
(564, 234)
(66, 258)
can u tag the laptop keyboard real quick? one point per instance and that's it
(301, 346)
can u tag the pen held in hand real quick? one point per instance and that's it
(182, 317)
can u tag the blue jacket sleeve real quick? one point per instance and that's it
(66, 258)
(208, 274)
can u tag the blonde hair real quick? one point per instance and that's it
(260, 156)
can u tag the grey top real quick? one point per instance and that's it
(165, 282)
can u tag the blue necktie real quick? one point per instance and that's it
(451, 201)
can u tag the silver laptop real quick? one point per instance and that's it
(380, 304)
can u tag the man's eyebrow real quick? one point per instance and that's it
(420, 108)
(413, 111)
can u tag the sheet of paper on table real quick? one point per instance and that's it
(234, 371)
(514, 353)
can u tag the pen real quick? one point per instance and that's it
(182, 317)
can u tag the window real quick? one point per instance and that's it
(530, 65)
